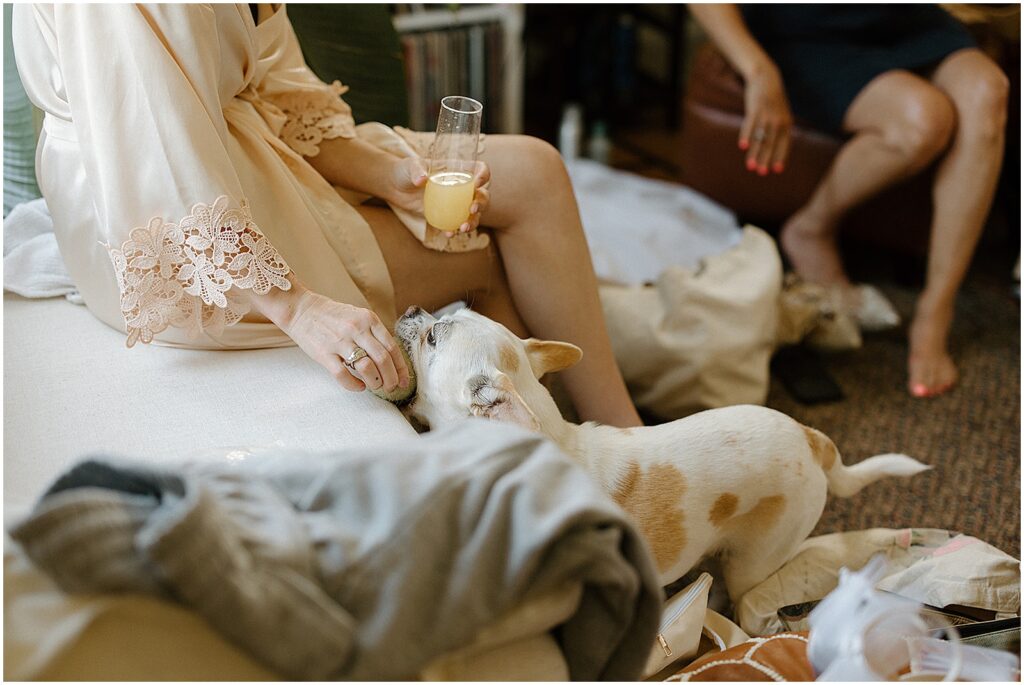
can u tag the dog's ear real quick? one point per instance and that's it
(548, 356)
(496, 398)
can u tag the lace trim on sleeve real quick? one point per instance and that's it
(182, 274)
(314, 116)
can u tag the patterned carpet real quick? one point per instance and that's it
(971, 436)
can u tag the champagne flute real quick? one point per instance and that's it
(450, 188)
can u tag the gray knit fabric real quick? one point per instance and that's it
(362, 564)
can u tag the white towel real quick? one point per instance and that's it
(638, 227)
(33, 266)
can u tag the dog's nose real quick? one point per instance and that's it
(413, 311)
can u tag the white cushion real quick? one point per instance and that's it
(72, 388)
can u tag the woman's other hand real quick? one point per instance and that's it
(767, 122)
(329, 332)
(409, 178)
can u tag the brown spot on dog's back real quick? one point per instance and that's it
(761, 516)
(626, 485)
(723, 508)
(653, 499)
(822, 449)
(509, 359)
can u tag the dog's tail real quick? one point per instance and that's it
(845, 481)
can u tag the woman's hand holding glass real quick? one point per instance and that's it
(765, 134)
(409, 179)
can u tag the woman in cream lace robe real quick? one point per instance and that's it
(209, 191)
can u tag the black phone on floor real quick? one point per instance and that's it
(805, 376)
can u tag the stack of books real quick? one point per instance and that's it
(461, 60)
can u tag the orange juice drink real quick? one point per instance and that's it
(447, 199)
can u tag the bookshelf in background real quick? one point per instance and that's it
(473, 50)
(623, 63)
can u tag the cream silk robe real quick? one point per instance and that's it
(172, 161)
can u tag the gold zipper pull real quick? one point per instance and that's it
(664, 645)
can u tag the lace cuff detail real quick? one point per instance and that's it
(314, 116)
(182, 274)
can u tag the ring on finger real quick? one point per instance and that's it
(356, 354)
(759, 135)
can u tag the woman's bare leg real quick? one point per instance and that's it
(901, 123)
(433, 279)
(550, 273)
(964, 187)
(550, 290)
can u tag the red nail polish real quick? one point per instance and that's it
(778, 167)
(744, 144)
(751, 165)
(762, 171)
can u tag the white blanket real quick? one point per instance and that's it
(638, 227)
(33, 266)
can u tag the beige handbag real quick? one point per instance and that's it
(682, 623)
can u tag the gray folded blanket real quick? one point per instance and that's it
(362, 564)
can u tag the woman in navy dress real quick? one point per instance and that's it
(907, 86)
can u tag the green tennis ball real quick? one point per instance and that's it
(400, 395)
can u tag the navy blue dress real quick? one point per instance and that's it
(827, 53)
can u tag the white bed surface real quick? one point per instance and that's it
(72, 388)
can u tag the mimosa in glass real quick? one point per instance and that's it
(450, 189)
(447, 200)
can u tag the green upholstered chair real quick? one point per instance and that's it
(357, 45)
(20, 130)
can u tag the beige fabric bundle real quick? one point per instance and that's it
(928, 565)
(700, 338)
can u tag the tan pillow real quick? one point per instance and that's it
(762, 659)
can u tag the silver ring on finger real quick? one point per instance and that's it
(760, 135)
(356, 354)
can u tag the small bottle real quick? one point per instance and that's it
(599, 148)
(570, 132)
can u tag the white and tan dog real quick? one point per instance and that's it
(746, 482)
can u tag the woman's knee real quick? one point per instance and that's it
(981, 100)
(543, 163)
(529, 175)
(923, 125)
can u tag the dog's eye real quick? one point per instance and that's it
(430, 337)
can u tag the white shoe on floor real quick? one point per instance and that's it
(873, 311)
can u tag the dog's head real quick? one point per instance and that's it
(468, 365)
